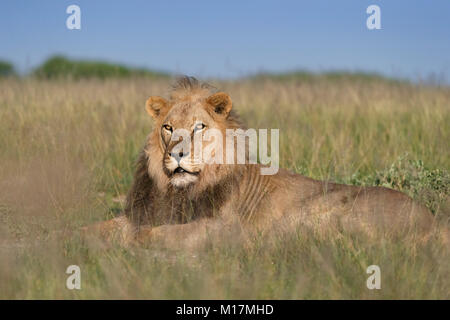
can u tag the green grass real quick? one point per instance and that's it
(67, 153)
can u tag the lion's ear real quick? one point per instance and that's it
(220, 102)
(156, 106)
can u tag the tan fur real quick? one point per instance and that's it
(222, 195)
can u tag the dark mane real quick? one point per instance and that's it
(144, 200)
(187, 83)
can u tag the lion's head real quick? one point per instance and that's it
(192, 110)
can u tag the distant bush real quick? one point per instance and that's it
(6, 69)
(305, 76)
(61, 67)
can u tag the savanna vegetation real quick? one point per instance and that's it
(67, 153)
(6, 69)
(62, 67)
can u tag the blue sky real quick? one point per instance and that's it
(234, 38)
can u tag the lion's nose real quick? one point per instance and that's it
(178, 155)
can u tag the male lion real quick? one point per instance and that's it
(176, 198)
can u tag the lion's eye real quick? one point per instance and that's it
(167, 127)
(199, 126)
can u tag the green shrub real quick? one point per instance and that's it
(61, 67)
(6, 69)
(333, 76)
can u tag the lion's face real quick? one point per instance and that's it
(184, 129)
(184, 124)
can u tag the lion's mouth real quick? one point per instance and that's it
(180, 170)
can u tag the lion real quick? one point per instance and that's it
(176, 198)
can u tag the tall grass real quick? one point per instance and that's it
(67, 153)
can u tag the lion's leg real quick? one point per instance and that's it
(187, 235)
(117, 229)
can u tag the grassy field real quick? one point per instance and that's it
(66, 160)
